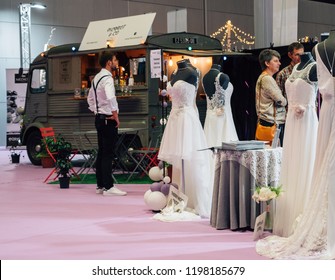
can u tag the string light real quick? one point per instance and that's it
(227, 41)
(170, 62)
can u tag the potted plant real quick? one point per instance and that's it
(63, 162)
(46, 160)
(15, 155)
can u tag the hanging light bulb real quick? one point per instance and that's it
(170, 62)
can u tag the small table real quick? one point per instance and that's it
(237, 173)
(89, 149)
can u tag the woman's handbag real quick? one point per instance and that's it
(265, 133)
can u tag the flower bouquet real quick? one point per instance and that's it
(266, 194)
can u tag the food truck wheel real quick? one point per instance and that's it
(34, 139)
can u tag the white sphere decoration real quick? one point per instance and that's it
(167, 179)
(163, 92)
(163, 121)
(20, 110)
(156, 201)
(146, 195)
(155, 174)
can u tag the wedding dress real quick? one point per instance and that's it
(314, 236)
(182, 139)
(299, 148)
(219, 124)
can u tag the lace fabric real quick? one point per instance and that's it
(314, 235)
(217, 101)
(264, 165)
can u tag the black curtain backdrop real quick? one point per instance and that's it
(243, 72)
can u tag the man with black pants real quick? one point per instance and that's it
(102, 101)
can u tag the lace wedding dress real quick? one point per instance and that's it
(219, 124)
(299, 148)
(182, 139)
(314, 236)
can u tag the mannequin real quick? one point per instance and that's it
(185, 72)
(307, 58)
(327, 52)
(182, 139)
(209, 78)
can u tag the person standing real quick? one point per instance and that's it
(270, 103)
(102, 101)
(294, 51)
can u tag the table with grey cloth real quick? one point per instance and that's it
(237, 173)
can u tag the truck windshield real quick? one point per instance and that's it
(38, 81)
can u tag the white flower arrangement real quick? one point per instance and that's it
(299, 111)
(266, 193)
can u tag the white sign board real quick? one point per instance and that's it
(155, 63)
(118, 32)
(259, 226)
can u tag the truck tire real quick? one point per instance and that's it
(34, 139)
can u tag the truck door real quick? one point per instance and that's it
(36, 101)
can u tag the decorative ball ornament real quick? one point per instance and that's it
(163, 92)
(165, 104)
(20, 110)
(155, 187)
(155, 174)
(165, 189)
(163, 121)
(146, 195)
(167, 179)
(160, 164)
(156, 201)
(38, 148)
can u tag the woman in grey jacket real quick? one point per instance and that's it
(270, 102)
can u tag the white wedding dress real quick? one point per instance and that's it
(299, 148)
(314, 236)
(219, 124)
(182, 139)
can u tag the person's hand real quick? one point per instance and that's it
(117, 122)
(114, 118)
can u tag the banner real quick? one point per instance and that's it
(16, 85)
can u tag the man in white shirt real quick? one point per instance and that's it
(102, 101)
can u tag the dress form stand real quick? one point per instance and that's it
(306, 59)
(209, 79)
(188, 73)
(327, 52)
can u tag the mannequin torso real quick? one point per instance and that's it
(327, 52)
(307, 58)
(209, 79)
(186, 73)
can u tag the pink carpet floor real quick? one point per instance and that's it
(40, 221)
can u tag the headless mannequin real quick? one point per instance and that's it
(307, 58)
(328, 47)
(209, 79)
(185, 72)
